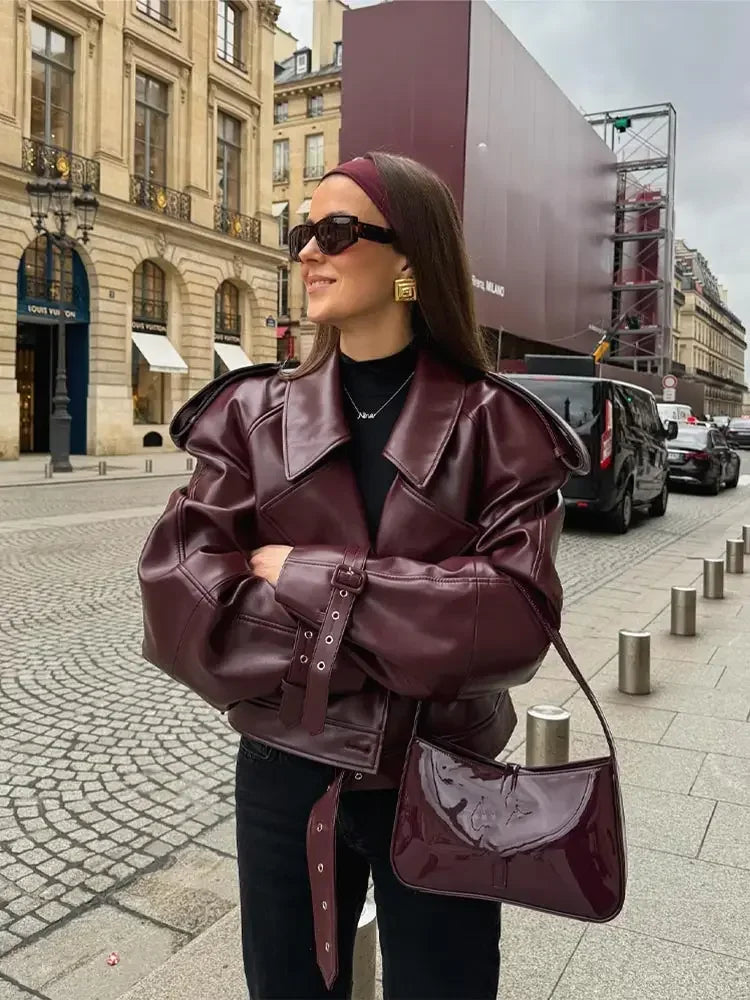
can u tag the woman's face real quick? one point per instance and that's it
(358, 282)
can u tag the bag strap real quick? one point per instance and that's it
(567, 657)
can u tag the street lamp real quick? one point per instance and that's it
(76, 213)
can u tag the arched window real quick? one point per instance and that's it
(46, 271)
(228, 318)
(150, 293)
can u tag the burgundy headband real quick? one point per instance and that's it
(364, 173)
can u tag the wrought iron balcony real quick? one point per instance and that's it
(228, 322)
(55, 163)
(281, 175)
(150, 310)
(313, 171)
(157, 10)
(159, 198)
(242, 227)
(232, 59)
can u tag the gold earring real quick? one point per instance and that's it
(405, 290)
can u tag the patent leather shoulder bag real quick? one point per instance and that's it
(550, 838)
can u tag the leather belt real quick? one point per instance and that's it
(321, 863)
(315, 653)
(347, 582)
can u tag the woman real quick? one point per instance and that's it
(346, 549)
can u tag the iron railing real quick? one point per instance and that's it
(281, 175)
(228, 322)
(314, 170)
(242, 227)
(158, 198)
(155, 10)
(150, 310)
(232, 59)
(55, 163)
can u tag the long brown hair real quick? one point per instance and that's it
(428, 229)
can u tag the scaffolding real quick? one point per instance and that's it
(644, 142)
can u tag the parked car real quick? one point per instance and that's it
(738, 432)
(700, 456)
(627, 441)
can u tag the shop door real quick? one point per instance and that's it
(25, 388)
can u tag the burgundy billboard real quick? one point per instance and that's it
(448, 84)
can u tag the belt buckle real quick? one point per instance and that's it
(349, 578)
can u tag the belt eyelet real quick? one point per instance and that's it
(335, 615)
(344, 593)
(303, 658)
(324, 904)
(358, 776)
(329, 640)
(320, 867)
(320, 665)
(308, 635)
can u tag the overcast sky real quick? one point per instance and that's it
(694, 53)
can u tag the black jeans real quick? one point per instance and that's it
(433, 947)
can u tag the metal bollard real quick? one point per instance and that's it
(735, 555)
(746, 538)
(48, 470)
(189, 464)
(365, 944)
(102, 468)
(547, 735)
(149, 465)
(683, 611)
(634, 662)
(713, 579)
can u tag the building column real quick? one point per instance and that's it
(9, 404)
(109, 427)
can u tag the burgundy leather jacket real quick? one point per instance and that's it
(331, 662)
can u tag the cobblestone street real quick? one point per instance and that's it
(107, 768)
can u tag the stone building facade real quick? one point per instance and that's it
(307, 120)
(709, 341)
(165, 109)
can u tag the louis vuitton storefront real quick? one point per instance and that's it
(49, 285)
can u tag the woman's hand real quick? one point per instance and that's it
(267, 561)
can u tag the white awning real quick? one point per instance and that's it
(159, 353)
(232, 355)
(304, 208)
(278, 207)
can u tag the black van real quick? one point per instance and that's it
(620, 426)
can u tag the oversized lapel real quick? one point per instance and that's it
(322, 503)
(411, 525)
(426, 422)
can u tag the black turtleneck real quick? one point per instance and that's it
(368, 386)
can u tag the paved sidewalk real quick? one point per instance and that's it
(685, 759)
(28, 470)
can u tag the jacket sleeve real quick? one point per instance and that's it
(207, 620)
(462, 627)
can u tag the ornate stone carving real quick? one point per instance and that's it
(21, 10)
(161, 243)
(93, 26)
(237, 263)
(128, 56)
(269, 12)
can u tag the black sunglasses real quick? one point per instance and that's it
(335, 234)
